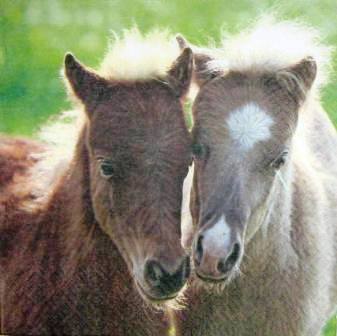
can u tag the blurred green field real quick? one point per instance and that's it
(35, 34)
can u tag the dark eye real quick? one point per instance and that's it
(199, 150)
(280, 160)
(107, 169)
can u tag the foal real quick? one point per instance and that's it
(105, 210)
(264, 192)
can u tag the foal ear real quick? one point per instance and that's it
(182, 42)
(299, 78)
(180, 75)
(204, 73)
(85, 84)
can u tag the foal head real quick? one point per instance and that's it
(139, 153)
(244, 121)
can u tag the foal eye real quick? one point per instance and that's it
(107, 169)
(199, 150)
(280, 160)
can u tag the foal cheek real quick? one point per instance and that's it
(103, 207)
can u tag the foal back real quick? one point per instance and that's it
(17, 156)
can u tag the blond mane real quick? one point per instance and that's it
(137, 57)
(271, 45)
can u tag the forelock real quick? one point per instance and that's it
(270, 45)
(137, 56)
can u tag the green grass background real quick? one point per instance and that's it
(35, 34)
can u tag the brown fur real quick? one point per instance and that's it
(74, 255)
(65, 274)
(16, 158)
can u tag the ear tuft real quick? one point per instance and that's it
(180, 74)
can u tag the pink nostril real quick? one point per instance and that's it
(153, 272)
(226, 264)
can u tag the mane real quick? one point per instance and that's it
(59, 137)
(137, 57)
(131, 57)
(270, 45)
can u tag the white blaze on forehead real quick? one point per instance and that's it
(217, 239)
(248, 125)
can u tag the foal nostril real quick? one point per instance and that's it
(199, 251)
(164, 282)
(226, 264)
(153, 272)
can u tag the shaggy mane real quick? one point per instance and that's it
(137, 57)
(270, 45)
(59, 137)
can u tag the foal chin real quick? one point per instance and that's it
(159, 267)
